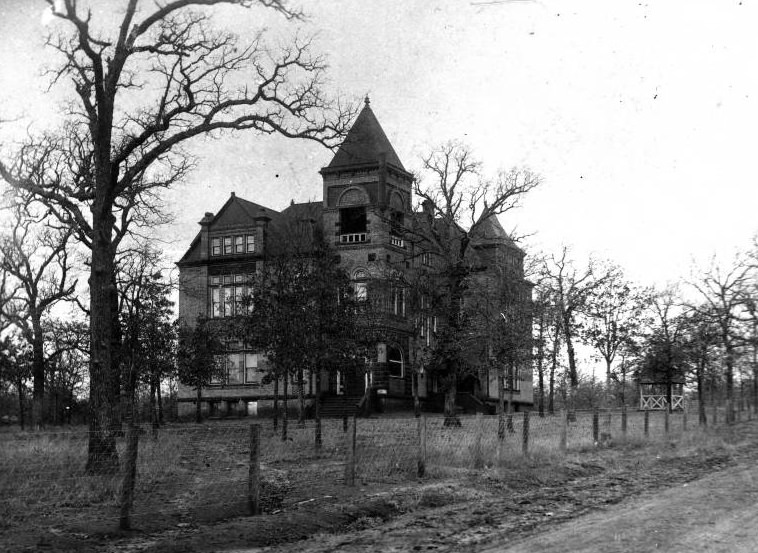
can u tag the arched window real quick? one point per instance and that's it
(353, 196)
(360, 285)
(395, 361)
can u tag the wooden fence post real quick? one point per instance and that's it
(564, 430)
(623, 421)
(525, 435)
(478, 454)
(647, 423)
(421, 470)
(595, 425)
(254, 472)
(684, 420)
(666, 420)
(130, 475)
(350, 438)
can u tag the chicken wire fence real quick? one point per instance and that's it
(221, 469)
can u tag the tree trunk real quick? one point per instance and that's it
(38, 373)
(451, 417)
(608, 383)
(276, 404)
(500, 403)
(153, 413)
(541, 369)
(416, 401)
(118, 363)
(573, 376)
(317, 410)
(509, 416)
(198, 411)
(300, 399)
(160, 399)
(285, 413)
(702, 418)
(729, 354)
(102, 457)
(553, 366)
(20, 389)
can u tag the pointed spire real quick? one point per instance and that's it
(365, 142)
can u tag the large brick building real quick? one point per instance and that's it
(367, 204)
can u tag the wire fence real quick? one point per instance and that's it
(191, 473)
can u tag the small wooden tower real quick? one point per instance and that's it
(655, 393)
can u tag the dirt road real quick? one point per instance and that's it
(713, 514)
(701, 502)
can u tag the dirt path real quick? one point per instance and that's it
(714, 514)
(706, 501)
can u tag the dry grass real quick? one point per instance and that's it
(197, 472)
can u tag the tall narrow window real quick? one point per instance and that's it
(228, 301)
(215, 246)
(234, 368)
(395, 361)
(239, 244)
(250, 243)
(361, 291)
(227, 245)
(216, 309)
(252, 376)
(221, 363)
(398, 307)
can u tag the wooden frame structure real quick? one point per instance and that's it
(654, 397)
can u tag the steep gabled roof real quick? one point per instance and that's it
(491, 232)
(239, 211)
(192, 253)
(365, 143)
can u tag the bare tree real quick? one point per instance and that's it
(724, 294)
(701, 338)
(456, 204)
(613, 318)
(574, 289)
(15, 368)
(67, 342)
(545, 327)
(145, 85)
(38, 260)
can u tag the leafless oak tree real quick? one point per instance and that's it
(37, 260)
(145, 85)
(456, 203)
(724, 293)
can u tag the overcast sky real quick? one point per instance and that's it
(641, 118)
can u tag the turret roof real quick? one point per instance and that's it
(365, 143)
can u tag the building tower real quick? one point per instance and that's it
(366, 203)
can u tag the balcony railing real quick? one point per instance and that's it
(352, 238)
(397, 241)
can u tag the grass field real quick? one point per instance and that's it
(189, 473)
